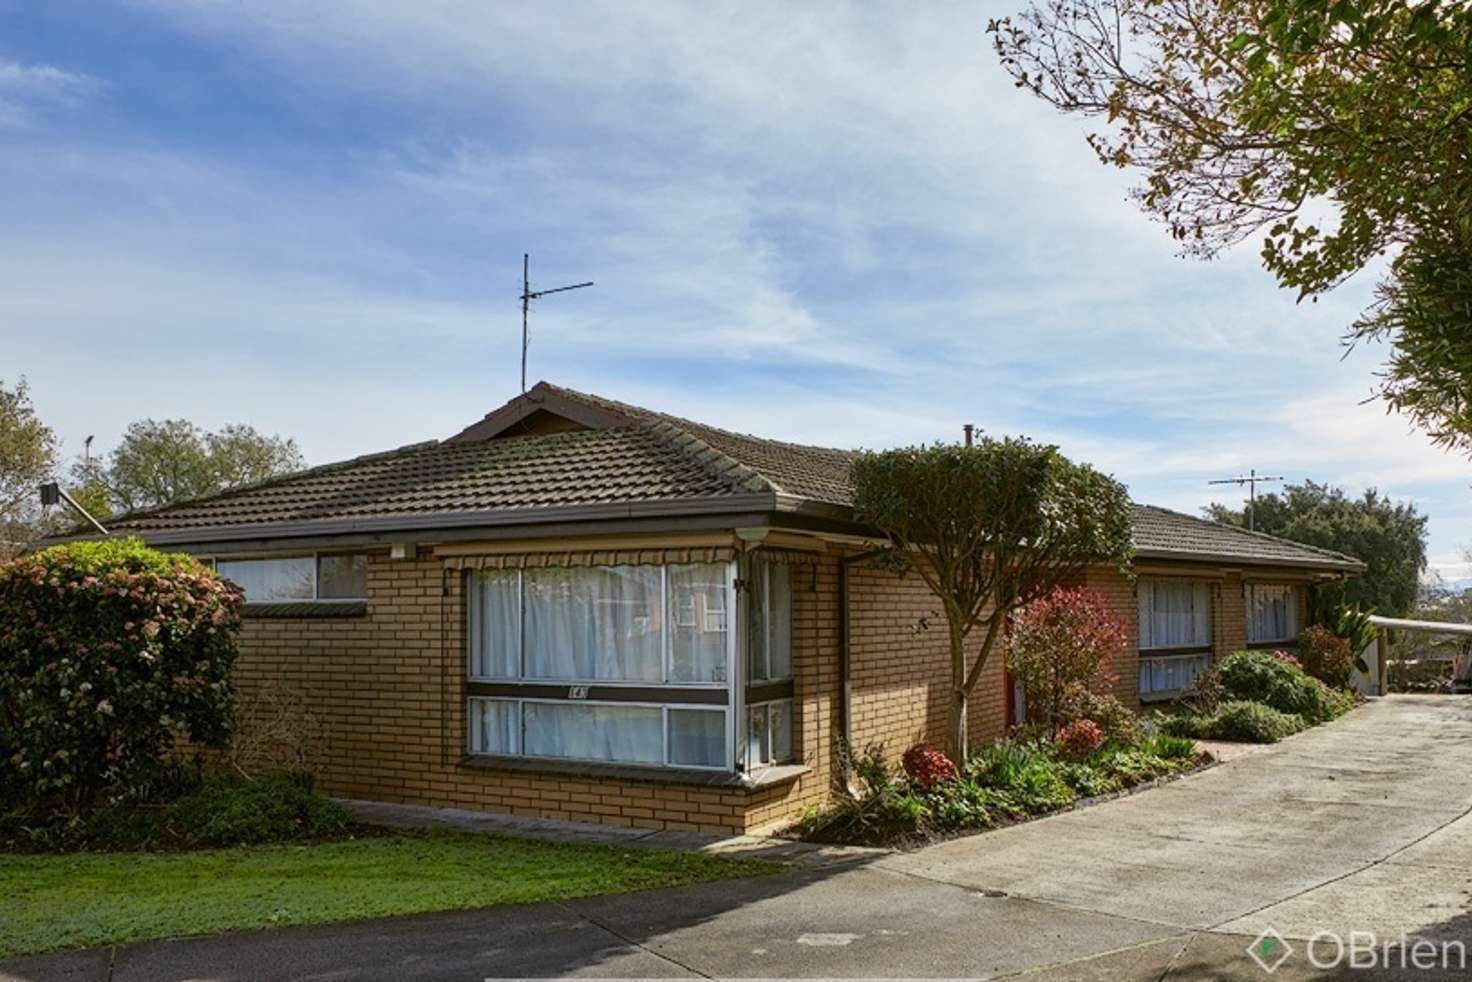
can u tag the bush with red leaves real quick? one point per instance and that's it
(1079, 739)
(928, 767)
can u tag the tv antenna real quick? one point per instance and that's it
(527, 296)
(1252, 480)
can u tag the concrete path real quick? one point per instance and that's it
(1360, 826)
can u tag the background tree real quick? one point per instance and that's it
(988, 527)
(27, 458)
(160, 462)
(1390, 539)
(1265, 116)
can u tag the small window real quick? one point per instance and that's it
(769, 622)
(589, 731)
(697, 737)
(298, 578)
(769, 733)
(1272, 613)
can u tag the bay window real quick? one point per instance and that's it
(626, 664)
(1272, 613)
(1175, 635)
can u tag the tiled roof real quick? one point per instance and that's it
(629, 456)
(639, 463)
(1161, 532)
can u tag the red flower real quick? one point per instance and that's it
(927, 766)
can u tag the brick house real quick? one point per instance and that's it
(580, 609)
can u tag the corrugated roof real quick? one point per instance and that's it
(630, 455)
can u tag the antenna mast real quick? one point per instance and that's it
(527, 296)
(1252, 480)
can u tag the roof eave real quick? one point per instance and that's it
(680, 507)
(1335, 565)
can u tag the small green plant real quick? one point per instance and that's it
(230, 811)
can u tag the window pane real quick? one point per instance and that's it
(1174, 614)
(630, 734)
(699, 628)
(601, 623)
(266, 580)
(1272, 612)
(342, 577)
(779, 717)
(757, 747)
(1171, 673)
(494, 609)
(698, 737)
(493, 726)
(779, 621)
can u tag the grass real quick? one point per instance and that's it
(84, 899)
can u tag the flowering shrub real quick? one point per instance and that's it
(1279, 682)
(1117, 722)
(1287, 659)
(1326, 656)
(927, 766)
(1058, 642)
(107, 651)
(1079, 739)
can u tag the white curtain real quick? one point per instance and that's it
(495, 625)
(697, 737)
(600, 623)
(1171, 673)
(264, 580)
(698, 623)
(494, 726)
(1272, 612)
(1174, 614)
(628, 734)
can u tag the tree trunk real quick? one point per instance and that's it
(956, 745)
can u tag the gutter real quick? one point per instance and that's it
(1339, 565)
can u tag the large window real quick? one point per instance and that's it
(298, 578)
(1175, 635)
(627, 664)
(1272, 613)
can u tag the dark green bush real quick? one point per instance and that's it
(1262, 676)
(230, 811)
(1118, 723)
(108, 650)
(1253, 722)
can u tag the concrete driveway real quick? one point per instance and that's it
(1359, 826)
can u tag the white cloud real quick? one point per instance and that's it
(25, 89)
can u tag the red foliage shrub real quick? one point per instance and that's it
(927, 766)
(1326, 656)
(1059, 641)
(1079, 739)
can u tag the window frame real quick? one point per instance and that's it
(1294, 591)
(315, 555)
(581, 690)
(765, 706)
(1168, 651)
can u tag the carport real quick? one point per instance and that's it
(1375, 682)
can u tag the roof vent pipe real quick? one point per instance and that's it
(968, 429)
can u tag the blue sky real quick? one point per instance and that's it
(831, 224)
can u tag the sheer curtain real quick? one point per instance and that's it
(1174, 614)
(631, 734)
(494, 608)
(769, 621)
(599, 623)
(698, 622)
(1272, 612)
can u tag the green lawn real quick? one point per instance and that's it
(82, 899)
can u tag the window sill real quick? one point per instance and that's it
(1272, 645)
(306, 609)
(766, 777)
(1169, 695)
(1173, 652)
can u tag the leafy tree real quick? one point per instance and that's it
(1059, 643)
(1390, 539)
(27, 458)
(160, 462)
(987, 528)
(1256, 117)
